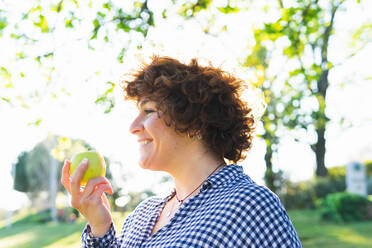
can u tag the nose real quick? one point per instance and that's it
(137, 126)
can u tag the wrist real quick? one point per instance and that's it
(98, 231)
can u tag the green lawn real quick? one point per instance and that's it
(50, 235)
(313, 233)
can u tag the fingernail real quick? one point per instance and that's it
(84, 160)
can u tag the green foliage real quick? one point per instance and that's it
(42, 23)
(190, 9)
(47, 20)
(140, 19)
(325, 186)
(298, 195)
(301, 26)
(228, 9)
(37, 168)
(21, 180)
(369, 186)
(337, 173)
(344, 206)
(3, 22)
(38, 217)
(107, 99)
(305, 194)
(274, 180)
(4, 73)
(368, 165)
(32, 169)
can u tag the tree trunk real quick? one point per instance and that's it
(320, 127)
(269, 174)
(321, 170)
(322, 86)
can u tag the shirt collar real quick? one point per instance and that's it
(224, 175)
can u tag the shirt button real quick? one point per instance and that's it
(205, 186)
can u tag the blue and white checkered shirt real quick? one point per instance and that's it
(230, 211)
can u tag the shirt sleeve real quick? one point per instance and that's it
(270, 225)
(109, 240)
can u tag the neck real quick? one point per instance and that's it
(189, 174)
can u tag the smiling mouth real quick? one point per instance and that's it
(145, 142)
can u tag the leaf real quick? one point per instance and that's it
(77, 3)
(96, 23)
(3, 23)
(5, 99)
(4, 73)
(107, 6)
(106, 102)
(100, 14)
(20, 55)
(121, 55)
(57, 7)
(37, 122)
(42, 24)
(69, 21)
(164, 14)
(228, 9)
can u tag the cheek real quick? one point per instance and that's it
(155, 126)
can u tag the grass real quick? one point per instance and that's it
(49, 235)
(312, 231)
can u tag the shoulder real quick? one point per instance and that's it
(244, 189)
(257, 212)
(248, 201)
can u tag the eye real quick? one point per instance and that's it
(148, 111)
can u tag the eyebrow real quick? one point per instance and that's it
(143, 102)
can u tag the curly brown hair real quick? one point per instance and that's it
(196, 98)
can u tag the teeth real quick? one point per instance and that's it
(146, 142)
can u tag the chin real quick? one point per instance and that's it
(147, 165)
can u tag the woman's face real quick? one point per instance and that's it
(159, 144)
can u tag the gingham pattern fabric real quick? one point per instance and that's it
(230, 211)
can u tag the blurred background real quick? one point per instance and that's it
(309, 77)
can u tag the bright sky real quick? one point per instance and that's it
(77, 116)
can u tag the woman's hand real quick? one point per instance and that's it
(91, 201)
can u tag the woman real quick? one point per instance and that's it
(191, 119)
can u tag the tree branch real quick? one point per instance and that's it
(281, 4)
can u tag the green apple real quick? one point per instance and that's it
(96, 168)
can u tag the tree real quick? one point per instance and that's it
(301, 36)
(32, 169)
(21, 180)
(306, 27)
(40, 29)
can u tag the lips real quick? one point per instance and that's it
(145, 141)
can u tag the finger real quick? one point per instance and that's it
(65, 178)
(105, 201)
(77, 176)
(93, 183)
(98, 193)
